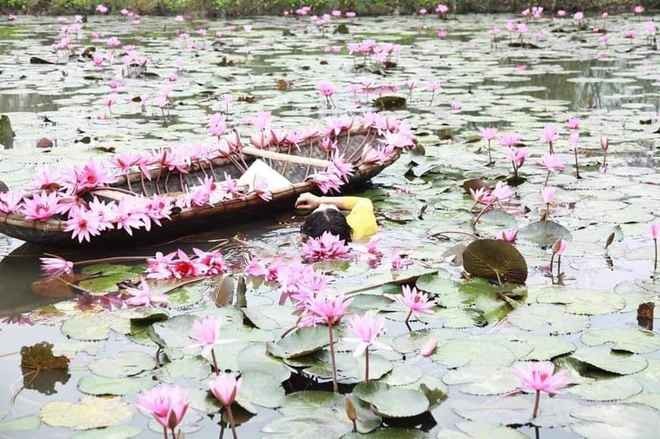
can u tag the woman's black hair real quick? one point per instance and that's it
(327, 220)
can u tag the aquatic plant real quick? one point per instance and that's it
(365, 330)
(225, 387)
(167, 404)
(538, 378)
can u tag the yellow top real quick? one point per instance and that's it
(361, 219)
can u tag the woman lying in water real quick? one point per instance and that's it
(327, 216)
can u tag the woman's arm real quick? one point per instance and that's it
(311, 201)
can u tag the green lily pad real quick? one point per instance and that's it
(301, 342)
(94, 327)
(548, 319)
(483, 380)
(517, 410)
(583, 302)
(117, 432)
(623, 339)
(473, 352)
(261, 389)
(617, 422)
(24, 423)
(95, 385)
(607, 389)
(195, 368)
(392, 402)
(479, 430)
(90, 413)
(350, 370)
(389, 433)
(544, 233)
(123, 364)
(615, 362)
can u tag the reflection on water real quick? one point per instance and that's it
(26, 102)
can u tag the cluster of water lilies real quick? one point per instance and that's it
(75, 195)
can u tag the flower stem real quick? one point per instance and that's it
(490, 157)
(558, 268)
(230, 414)
(366, 365)
(552, 267)
(164, 432)
(408, 316)
(655, 263)
(535, 413)
(547, 178)
(577, 166)
(216, 369)
(335, 388)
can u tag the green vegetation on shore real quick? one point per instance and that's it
(261, 7)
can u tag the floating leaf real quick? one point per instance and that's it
(583, 302)
(40, 357)
(195, 368)
(479, 430)
(90, 413)
(544, 233)
(516, 410)
(388, 433)
(607, 389)
(623, 339)
(615, 362)
(392, 402)
(548, 319)
(301, 342)
(473, 352)
(25, 423)
(483, 380)
(94, 327)
(350, 370)
(95, 385)
(123, 364)
(496, 260)
(261, 389)
(617, 422)
(117, 432)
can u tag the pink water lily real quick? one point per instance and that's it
(552, 163)
(143, 295)
(329, 310)
(167, 404)
(365, 330)
(225, 387)
(558, 249)
(509, 235)
(83, 224)
(540, 377)
(41, 207)
(55, 266)
(324, 248)
(416, 302)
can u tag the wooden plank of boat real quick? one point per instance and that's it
(279, 156)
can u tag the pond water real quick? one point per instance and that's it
(586, 325)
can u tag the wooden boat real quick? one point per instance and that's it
(297, 163)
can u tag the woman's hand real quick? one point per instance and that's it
(308, 201)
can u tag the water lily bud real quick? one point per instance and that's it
(604, 143)
(429, 347)
(559, 247)
(351, 412)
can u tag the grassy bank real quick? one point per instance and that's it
(260, 7)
